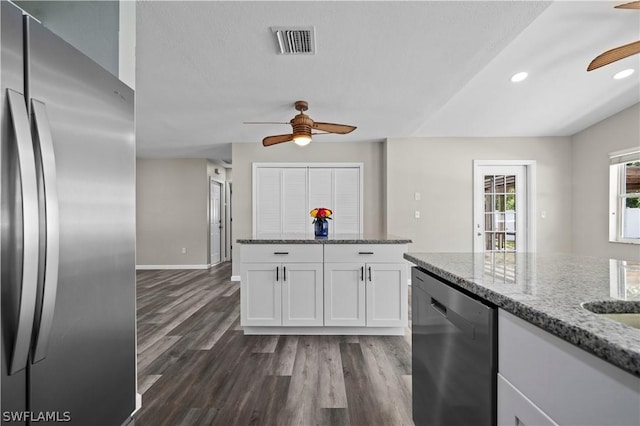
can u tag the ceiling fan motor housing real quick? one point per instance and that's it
(302, 125)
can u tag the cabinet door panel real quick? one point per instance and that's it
(516, 409)
(302, 294)
(295, 215)
(344, 294)
(347, 203)
(261, 294)
(268, 198)
(387, 297)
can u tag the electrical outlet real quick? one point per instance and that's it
(416, 196)
(417, 214)
(184, 250)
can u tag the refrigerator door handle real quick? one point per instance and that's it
(30, 231)
(51, 225)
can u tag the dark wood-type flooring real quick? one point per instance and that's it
(196, 367)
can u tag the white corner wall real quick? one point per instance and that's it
(441, 170)
(590, 193)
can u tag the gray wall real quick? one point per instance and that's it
(172, 212)
(371, 154)
(90, 26)
(441, 169)
(590, 195)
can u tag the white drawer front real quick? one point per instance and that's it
(570, 385)
(257, 253)
(388, 253)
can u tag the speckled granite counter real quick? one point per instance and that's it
(332, 239)
(549, 290)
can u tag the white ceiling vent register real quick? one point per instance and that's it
(295, 40)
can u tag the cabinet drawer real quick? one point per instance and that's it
(516, 409)
(388, 253)
(570, 385)
(258, 253)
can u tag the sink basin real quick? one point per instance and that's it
(623, 311)
(630, 319)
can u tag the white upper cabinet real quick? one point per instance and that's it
(284, 193)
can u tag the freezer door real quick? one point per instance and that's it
(87, 369)
(13, 387)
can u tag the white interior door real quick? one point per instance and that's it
(501, 210)
(215, 219)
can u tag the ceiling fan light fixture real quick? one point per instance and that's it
(301, 140)
(518, 77)
(623, 74)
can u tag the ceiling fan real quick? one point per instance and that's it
(302, 126)
(620, 52)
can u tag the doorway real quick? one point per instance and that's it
(215, 222)
(503, 206)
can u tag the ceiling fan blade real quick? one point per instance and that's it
(265, 122)
(333, 128)
(614, 55)
(632, 5)
(273, 140)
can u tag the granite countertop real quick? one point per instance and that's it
(549, 291)
(331, 239)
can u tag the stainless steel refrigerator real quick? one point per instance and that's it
(67, 258)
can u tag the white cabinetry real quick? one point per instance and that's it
(284, 193)
(281, 285)
(281, 200)
(323, 289)
(546, 380)
(365, 285)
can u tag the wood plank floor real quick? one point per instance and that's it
(196, 367)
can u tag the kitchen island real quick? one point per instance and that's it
(558, 362)
(343, 284)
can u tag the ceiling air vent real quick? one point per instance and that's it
(295, 40)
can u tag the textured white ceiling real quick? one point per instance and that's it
(394, 69)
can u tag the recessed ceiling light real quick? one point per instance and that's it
(516, 78)
(623, 74)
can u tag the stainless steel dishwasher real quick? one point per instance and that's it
(454, 354)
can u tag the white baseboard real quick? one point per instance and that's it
(235, 277)
(147, 267)
(330, 331)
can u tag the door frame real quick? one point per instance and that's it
(223, 218)
(530, 186)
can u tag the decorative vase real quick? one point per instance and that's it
(321, 228)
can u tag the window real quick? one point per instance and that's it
(624, 197)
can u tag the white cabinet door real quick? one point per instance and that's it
(281, 200)
(268, 204)
(302, 295)
(261, 294)
(347, 200)
(344, 294)
(295, 214)
(339, 189)
(516, 409)
(568, 384)
(387, 294)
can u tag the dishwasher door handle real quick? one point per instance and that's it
(439, 307)
(454, 318)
